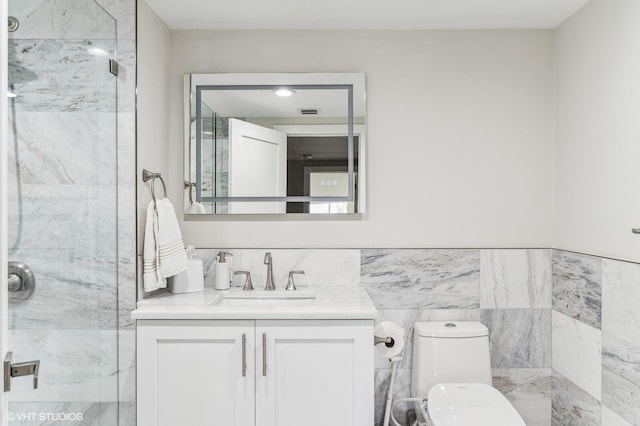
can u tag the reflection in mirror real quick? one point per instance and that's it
(274, 143)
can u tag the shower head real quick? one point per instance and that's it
(13, 24)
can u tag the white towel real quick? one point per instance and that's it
(164, 253)
(196, 208)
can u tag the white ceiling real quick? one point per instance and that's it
(365, 14)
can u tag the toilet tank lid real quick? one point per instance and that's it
(450, 329)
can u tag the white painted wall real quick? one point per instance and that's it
(154, 47)
(597, 196)
(460, 133)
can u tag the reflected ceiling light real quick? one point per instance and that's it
(284, 92)
(10, 94)
(96, 51)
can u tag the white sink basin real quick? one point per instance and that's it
(261, 298)
(263, 303)
(271, 295)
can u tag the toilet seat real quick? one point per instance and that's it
(467, 404)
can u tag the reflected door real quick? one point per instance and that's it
(257, 166)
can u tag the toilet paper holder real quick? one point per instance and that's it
(388, 341)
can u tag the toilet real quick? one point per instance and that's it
(452, 371)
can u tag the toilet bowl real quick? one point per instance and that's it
(452, 371)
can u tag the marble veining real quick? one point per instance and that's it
(528, 390)
(126, 365)
(60, 75)
(621, 376)
(577, 286)
(403, 279)
(72, 292)
(520, 338)
(515, 279)
(62, 19)
(571, 406)
(621, 299)
(77, 365)
(577, 351)
(69, 160)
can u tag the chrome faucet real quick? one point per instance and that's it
(267, 261)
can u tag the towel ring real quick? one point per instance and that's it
(190, 186)
(150, 176)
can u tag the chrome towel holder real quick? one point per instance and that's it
(150, 176)
(190, 185)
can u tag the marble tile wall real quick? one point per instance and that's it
(596, 340)
(73, 127)
(564, 327)
(507, 290)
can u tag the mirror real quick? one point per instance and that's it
(274, 144)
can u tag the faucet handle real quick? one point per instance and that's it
(267, 258)
(248, 285)
(290, 284)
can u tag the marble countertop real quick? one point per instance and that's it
(347, 302)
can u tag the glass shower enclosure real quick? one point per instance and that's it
(62, 211)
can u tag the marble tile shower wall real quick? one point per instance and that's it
(79, 316)
(507, 290)
(596, 341)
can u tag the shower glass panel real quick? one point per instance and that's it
(63, 211)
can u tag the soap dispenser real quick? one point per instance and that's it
(222, 272)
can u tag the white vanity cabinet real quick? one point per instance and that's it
(298, 372)
(192, 373)
(314, 373)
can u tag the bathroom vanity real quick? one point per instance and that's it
(256, 358)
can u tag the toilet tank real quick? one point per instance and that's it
(449, 352)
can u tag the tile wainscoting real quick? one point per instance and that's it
(565, 328)
(596, 340)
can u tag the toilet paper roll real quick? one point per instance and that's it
(388, 329)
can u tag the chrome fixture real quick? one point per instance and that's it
(264, 354)
(13, 24)
(290, 284)
(244, 354)
(113, 67)
(267, 261)
(19, 369)
(150, 176)
(248, 285)
(190, 185)
(21, 283)
(636, 230)
(388, 341)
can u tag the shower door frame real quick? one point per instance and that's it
(4, 307)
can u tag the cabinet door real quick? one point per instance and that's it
(196, 373)
(314, 373)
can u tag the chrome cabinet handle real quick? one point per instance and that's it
(244, 354)
(636, 230)
(264, 354)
